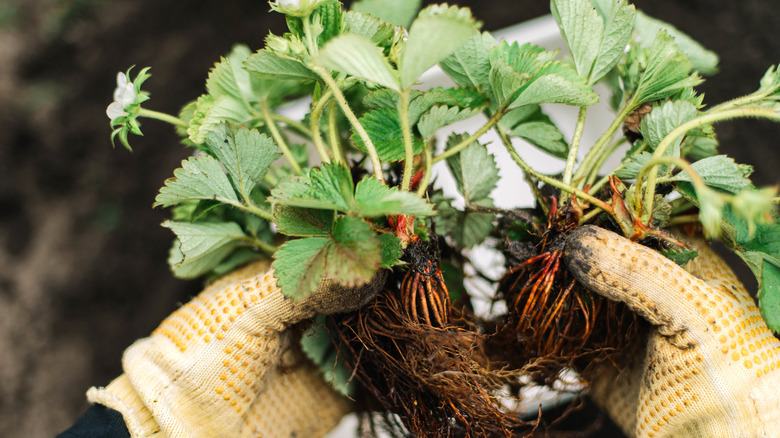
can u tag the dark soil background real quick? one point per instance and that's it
(82, 255)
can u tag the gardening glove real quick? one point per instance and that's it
(711, 367)
(225, 365)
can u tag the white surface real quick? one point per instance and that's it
(512, 190)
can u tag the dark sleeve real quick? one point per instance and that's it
(98, 422)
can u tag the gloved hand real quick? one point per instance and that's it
(224, 365)
(711, 366)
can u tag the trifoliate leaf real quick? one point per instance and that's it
(544, 136)
(474, 169)
(440, 116)
(199, 178)
(469, 65)
(702, 60)
(330, 187)
(436, 33)
(299, 266)
(596, 43)
(391, 250)
(374, 199)
(422, 102)
(246, 154)
(384, 129)
(395, 12)
(681, 257)
(318, 347)
(667, 71)
(376, 30)
(305, 222)
(355, 253)
(720, 172)
(269, 65)
(664, 119)
(203, 245)
(527, 74)
(358, 56)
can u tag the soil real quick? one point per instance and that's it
(82, 256)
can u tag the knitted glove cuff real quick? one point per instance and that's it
(120, 396)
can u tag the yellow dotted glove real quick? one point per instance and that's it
(711, 366)
(224, 365)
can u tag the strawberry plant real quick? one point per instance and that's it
(350, 188)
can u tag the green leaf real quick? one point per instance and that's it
(436, 33)
(210, 112)
(469, 65)
(527, 74)
(384, 128)
(378, 31)
(667, 71)
(330, 187)
(391, 250)
(596, 42)
(466, 228)
(246, 154)
(330, 18)
(305, 222)
(358, 56)
(702, 60)
(318, 347)
(203, 245)
(474, 170)
(543, 135)
(299, 266)
(384, 99)
(681, 257)
(440, 116)
(664, 119)
(633, 165)
(770, 82)
(720, 172)
(228, 78)
(199, 178)
(374, 199)
(395, 12)
(355, 254)
(702, 147)
(269, 65)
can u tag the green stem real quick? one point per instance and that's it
(298, 126)
(406, 131)
(552, 181)
(279, 139)
(310, 44)
(573, 148)
(428, 166)
(253, 209)
(361, 132)
(650, 170)
(595, 151)
(704, 119)
(603, 158)
(316, 113)
(143, 112)
(263, 246)
(335, 143)
(465, 143)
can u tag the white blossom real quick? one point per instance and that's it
(123, 95)
(288, 3)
